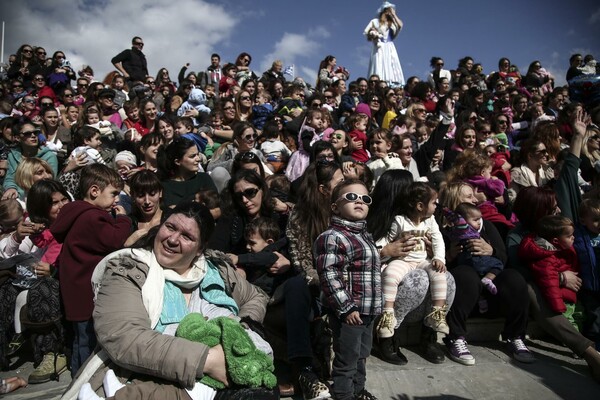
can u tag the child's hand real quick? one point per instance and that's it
(42, 269)
(119, 210)
(357, 144)
(233, 258)
(438, 266)
(353, 318)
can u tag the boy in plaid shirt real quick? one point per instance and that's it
(349, 270)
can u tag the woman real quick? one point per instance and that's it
(382, 31)
(438, 72)
(244, 140)
(163, 78)
(465, 138)
(146, 193)
(243, 106)
(534, 169)
(244, 73)
(29, 171)
(227, 109)
(148, 115)
(172, 257)
(33, 236)
(511, 299)
(414, 296)
(590, 156)
(249, 86)
(165, 127)
(178, 165)
(405, 151)
(58, 138)
(533, 203)
(538, 77)
(59, 71)
(326, 74)
(148, 151)
(28, 146)
(423, 93)
(389, 107)
(25, 66)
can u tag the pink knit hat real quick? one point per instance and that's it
(363, 108)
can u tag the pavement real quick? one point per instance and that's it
(556, 374)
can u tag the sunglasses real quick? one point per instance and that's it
(248, 193)
(420, 110)
(17, 86)
(541, 152)
(440, 64)
(229, 108)
(337, 136)
(244, 98)
(83, 85)
(151, 83)
(502, 122)
(351, 196)
(39, 79)
(249, 138)
(68, 95)
(41, 53)
(139, 43)
(29, 51)
(329, 97)
(30, 101)
(374, 100)
(316, 105)
(246, 156)
(46, 104)
(34, 133)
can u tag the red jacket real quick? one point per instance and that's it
(88, 234)
(546, 262)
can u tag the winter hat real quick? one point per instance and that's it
(363, 108)
(126, 156)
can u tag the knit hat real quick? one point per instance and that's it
(126, 156)
(363, 108)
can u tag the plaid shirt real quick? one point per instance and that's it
(349, 268)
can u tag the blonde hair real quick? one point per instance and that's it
(26, 171)
(594, 155)
(450, 195)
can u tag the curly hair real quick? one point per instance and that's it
(468, 164)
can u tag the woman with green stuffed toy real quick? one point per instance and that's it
(143, 293)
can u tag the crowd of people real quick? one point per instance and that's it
(316, 217)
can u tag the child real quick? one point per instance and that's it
(416, 219)
(381, 144)
(195, 101)
(274, 150)
(87, 140)
(466, 223)
(309, 134)
(132, 111)
(291, 104)
(209, 90)
(11, 213)
(348, 264)
(89, 230)
(227, 81)
(587, 244)
(184, 127)
(349, 100)
(548, 253)
(263, 240)
(357, 124)
(262, 109)
(210, 198)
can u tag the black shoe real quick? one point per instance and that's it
(430, 349)
(247, 394)
(365, 395)
(388, 353)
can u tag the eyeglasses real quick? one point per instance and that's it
(33, 133)
(245, 98)
(351, 196)
(373, 81)
(248, 193)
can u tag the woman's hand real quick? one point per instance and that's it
(428, 244)
(571, 280)
(479, 247)
(353, 318)
(42, 269)
(214, 365)
(135, 236)
(399, 248)
(479, 196)
(281, 266)
(10, 194)
(26, 228)
(76, 162)
(453, 251)
(448, 107)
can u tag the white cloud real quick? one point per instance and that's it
(93, 32)
(595, 17)
(294, 46)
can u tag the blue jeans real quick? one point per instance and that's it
(84, 342)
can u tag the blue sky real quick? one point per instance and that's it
(304, 32)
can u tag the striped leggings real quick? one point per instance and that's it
(396, 270)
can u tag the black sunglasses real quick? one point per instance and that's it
(248, 193)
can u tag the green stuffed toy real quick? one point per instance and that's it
(246, 365)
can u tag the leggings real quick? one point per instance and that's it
(396, 270)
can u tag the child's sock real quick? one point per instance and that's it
(111, 383)
(87, 393)
(489, 285)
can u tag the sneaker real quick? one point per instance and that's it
(15, 344)
(459, 352)
(312, 388)
(489, 285)
(519, 351)
(49, 369)
(436, 319)
(386, 325)
(365, 395)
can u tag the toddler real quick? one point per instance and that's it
(87, 140)
(381, 160)
(348, 264)
(416, 219)
(274, 150)
(262, 109)
(309, 134)
(357, 124)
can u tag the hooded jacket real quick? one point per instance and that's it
(546, 263)
(88, 234)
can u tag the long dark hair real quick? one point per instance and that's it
(174, 151)
(39, 200)
(387, 196)
(250, 176)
